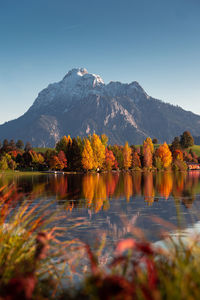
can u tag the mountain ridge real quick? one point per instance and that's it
(81, 103)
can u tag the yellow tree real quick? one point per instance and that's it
(98, 151)
(165, 155)
(87, 156)
(149, 142)
(69, 140)
(126, 156)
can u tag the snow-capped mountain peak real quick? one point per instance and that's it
(78, 84)
(76, 72)
(80, 76)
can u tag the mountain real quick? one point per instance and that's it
(81, 103)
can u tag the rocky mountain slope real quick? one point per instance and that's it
(82, 103)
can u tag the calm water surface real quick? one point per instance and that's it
(115, 203)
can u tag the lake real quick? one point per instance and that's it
(115, 204)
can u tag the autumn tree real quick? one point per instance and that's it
(62, 158)
(126, 156)
(87, 156)
(136, 160)
(110, 160)
(194, 156)
(98, 151)
(178, 160)
(55, 163)
(147, 155)
(149, 142)
(3, 163)
(118, 153)
(186, 140)
(48, 155)
(177, 154)
(187, 156)
(11, 162)
(165, 155)
(7, 162)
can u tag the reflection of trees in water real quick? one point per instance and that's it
(27, 184)
(178, 184)
(137, 183)
(148, 190)
(164, 184)
(111, 183)
(119, 227)
(128, 186)
(58, 186)
(186, 186)
(94, 191)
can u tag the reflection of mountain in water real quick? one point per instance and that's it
(116, 203)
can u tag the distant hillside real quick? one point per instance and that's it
(81, 104)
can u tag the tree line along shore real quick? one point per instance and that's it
(93, 153)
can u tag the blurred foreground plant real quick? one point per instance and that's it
(32, 255)
(35, 262)
(140, 270)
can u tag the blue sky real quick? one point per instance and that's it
(154, 42)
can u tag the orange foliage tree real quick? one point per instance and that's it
(110, 160)
(178, 154)
(126, 156)
(147, 155)
(165, 155)
(55, 163)
(136, 160)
